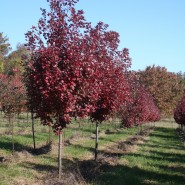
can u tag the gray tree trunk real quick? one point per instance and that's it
(33, 130)
(60, 156)
(96, 143)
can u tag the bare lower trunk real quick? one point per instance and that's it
(10, 123)
(33, 130)
(96, 143)
(13, 145)
(60, 156)
(49, 137)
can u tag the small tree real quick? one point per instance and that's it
(12, 96)
(179, 113)
(141, 108)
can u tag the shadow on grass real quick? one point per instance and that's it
(162, 146)
(89, 149)
(173, 168)
(124, 175)
(163, 136)
(39, 167)
(104, 174)
(6, 144)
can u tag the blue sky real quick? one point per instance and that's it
(152, 30)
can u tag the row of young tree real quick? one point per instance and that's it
(73, 69)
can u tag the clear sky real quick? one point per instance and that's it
(152, 30)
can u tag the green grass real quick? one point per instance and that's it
(158, 160)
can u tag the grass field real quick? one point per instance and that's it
(156, 156)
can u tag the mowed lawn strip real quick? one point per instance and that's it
(160, 160)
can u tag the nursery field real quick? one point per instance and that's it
(153, 154)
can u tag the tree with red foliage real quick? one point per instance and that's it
(179, 113)
(70, 74)
(12, 97)
(114, 91)
(141, 108)
(12, 93)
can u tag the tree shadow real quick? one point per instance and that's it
(42, 150)
(6, 144)
(174, 168)
(171, 157)
(90, 149)
(125, 175)
(163, 136)
(162, 146)
(39, 167)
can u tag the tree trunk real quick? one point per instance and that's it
(18, 119)
(27, 117)
(60, 156)
(64, 136)
(49, 134)
(12, 129)
(96, 143)
(33, 130)
(141, 127)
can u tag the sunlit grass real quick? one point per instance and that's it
(158, 160)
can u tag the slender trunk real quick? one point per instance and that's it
(13, 145)
(79, 124)
(33, 130)
(90, 127)
(49, 134)
(115, 123)
(18, 116)
(96, 143)
(82, 131)
(60, 156)
(64, 136)
(27, 117)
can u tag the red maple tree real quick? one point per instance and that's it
(179, 113)
(141, 108)
(75, 69)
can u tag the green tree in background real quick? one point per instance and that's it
(4, 45)
(166, 87)
(4, 49)
(14, 60)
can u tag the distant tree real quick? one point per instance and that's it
(141, 107)
(164, 86)
(4, 49)
(1, 64)
(14, 60)
(4, 45)
(179, 113)
(12, 98)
